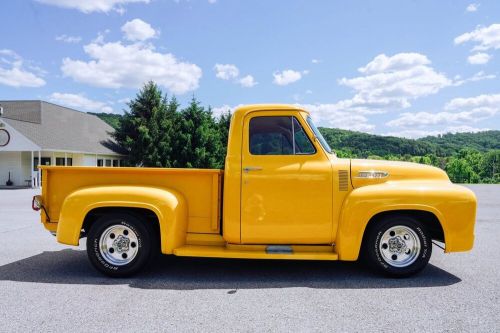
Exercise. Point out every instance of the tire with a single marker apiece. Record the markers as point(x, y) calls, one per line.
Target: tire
point(121, 244)
point(397, 246)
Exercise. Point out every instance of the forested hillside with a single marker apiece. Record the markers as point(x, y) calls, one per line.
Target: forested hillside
point(357, 144)
point(111, 118)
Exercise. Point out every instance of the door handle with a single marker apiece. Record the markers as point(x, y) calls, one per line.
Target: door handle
point(251, 168)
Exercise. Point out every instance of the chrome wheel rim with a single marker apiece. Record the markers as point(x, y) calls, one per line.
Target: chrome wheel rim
point(118, 245)
point(399, 246)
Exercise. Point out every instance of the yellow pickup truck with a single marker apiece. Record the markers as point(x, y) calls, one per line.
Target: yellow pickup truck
point(283, 194)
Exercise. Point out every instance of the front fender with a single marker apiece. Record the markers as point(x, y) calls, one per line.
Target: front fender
point(453, 205)
point(168, 205)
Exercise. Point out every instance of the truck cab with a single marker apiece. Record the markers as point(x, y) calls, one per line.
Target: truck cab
point(283, 194)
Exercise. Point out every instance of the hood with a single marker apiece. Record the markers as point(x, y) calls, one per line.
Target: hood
point(369, 172)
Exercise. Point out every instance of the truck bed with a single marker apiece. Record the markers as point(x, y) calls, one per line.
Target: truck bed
point(200, 187)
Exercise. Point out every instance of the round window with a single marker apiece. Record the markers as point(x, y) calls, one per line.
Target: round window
point(4, 137)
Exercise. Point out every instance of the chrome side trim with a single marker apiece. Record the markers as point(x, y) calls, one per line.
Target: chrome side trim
point(372, 174)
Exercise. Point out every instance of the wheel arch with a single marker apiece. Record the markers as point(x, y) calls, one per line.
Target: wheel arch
point(351, 235)
point(431, 223)
point(143, 213)
point(80, 208)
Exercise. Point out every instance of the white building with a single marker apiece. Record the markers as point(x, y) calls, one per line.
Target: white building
point(38, 132)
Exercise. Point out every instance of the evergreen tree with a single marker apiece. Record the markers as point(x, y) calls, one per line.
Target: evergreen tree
point(223, 123)
point(140, 130)
point(198, 141)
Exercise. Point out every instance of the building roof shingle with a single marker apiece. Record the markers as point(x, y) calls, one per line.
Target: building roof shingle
point(54, 127)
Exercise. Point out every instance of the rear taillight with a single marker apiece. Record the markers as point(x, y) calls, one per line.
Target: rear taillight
point(36, 204)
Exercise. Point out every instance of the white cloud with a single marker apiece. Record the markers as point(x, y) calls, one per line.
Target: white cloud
point(226, 71)
point(316, 61)
point(397, 62)
point(479, 58)
point(89, 6)
point(481, 101)
point(231, 72)
point(485, 38)
point(115, 65)
point(14, 72)
point(219, 110)
point(247, 81)
point(123, 100)
point(392, 82)
point(479, 76)
point(79, 102)
point(473, 7)
point(458, 112)
point(138, 30)
point(286, 77)
point(334, 115)
point(212, 1)
point(69, 39)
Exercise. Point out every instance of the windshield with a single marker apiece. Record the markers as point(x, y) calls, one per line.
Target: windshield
point(318, 135)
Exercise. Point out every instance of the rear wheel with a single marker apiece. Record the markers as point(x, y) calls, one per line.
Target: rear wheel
point(398, 246)
point(120, 245)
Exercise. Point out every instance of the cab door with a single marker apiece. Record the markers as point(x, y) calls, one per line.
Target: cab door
point(286, 182)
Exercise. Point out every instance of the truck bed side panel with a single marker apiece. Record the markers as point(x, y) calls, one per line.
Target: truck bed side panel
point(200, 187)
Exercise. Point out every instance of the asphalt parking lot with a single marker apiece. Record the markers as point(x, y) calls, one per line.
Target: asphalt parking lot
point(45, 286)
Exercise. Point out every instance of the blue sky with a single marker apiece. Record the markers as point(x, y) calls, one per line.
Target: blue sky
point(406, 68)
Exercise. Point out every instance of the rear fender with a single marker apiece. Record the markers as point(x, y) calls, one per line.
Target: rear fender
point(168, 205)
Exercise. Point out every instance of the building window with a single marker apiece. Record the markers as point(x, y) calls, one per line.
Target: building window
point(108, 163)
point(100, 163)
point(45, 161)
point(60, 161)
point(115, 163)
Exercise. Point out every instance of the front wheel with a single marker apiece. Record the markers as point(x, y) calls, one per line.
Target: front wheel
point(398, 246)
point(120, 245)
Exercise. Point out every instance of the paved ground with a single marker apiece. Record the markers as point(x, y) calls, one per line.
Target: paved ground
point(48, 287)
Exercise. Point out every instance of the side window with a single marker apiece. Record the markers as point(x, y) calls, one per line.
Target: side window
point(303, 146)
point(277, 135)
point(271, 136)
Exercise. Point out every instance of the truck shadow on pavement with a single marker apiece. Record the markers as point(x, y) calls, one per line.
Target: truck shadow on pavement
point(177, 273)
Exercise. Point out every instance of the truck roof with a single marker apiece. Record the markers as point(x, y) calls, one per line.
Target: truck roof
point(244, 109)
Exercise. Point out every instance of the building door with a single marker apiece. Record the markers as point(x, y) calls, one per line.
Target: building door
point(286, 182)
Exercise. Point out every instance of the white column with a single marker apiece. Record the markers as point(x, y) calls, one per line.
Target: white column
point(95, 159)
point(38, 173)
point(65, 159)
point(31, 171)
point(53, 159)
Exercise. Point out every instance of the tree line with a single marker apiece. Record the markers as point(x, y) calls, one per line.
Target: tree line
point(156, 132)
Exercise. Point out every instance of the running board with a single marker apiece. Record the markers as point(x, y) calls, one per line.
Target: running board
point(258, 252)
